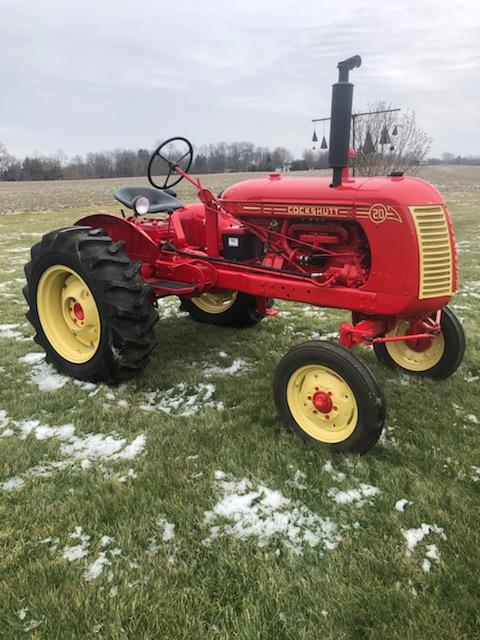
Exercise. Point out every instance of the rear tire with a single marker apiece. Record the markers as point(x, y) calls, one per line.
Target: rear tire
point(438, 362)
point(223, 308)
point(92, 312)
point(328, 396)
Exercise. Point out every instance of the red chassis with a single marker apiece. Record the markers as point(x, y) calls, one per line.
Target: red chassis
point(382, 248)
point(371, 238)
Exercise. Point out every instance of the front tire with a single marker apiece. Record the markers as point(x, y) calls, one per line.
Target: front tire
point(223, 308)
point(438, 360)
point(91, 310)
point(328, 396)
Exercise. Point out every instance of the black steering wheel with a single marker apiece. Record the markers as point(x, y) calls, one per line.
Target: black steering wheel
point(166, 158)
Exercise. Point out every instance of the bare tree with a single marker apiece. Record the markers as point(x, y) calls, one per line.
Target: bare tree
point(406, 151)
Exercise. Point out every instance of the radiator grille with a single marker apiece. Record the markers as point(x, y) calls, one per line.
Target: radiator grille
point(434, 249)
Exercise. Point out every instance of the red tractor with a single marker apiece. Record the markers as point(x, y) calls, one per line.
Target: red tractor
point(381, 247)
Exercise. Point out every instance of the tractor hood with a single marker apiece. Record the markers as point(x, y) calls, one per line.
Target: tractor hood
point(277, 188)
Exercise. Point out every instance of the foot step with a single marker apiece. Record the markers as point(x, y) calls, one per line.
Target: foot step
point(166, 287)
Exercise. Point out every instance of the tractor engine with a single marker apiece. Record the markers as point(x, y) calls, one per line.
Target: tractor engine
point(334, 252)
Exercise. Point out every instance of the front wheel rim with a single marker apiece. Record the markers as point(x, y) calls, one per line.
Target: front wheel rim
point(412, 360)
point(68, 314)
point(322, 403)
point(215, 301)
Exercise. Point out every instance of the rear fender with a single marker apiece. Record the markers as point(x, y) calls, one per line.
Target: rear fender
point(138, 244)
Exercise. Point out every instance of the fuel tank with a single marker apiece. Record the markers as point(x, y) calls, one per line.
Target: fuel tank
point(405, 220)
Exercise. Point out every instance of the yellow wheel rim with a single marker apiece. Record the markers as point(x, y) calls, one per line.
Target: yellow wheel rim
point(322, 403)
point(68, 314)
point(215, 301)
point(407, 358)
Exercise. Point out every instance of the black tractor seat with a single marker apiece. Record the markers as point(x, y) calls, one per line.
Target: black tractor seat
point(160, 200)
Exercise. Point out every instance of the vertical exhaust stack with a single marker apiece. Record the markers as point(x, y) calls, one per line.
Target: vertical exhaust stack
point(341, 118)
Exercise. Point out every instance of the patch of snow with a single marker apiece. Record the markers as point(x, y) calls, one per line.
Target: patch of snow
point(313, 312)
point(8, 331)
point(317, 335)
point(337, 476)
point(153, 546)
point(22, 613)
point(73, 553)
point(80, 534)
point(354, 496)
point(387, 438)
point(471, 378)
point(98, 445)
point(426, 565)
point(182, 400)
point(12, 483)
point(246, 511)
point(132, 450)
point(401, 504)
point(43, 431)
point(130, 474)
point(168, 529)
point(168, 308)
point(414, 536)
point(31, 358)
point(105, 541)
point(76, 449)
point(85, 386)
point(297, 481)
point(33, 624)
point(238, 366)
point(96, 567)
point(432, 552)
point(47, 378)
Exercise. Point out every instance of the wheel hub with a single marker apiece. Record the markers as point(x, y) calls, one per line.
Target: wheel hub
point(322, 401)
point(78, 311)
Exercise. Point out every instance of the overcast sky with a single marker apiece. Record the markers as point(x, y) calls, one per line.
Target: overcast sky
point(98, 74)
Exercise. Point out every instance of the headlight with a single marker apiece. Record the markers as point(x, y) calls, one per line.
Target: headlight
point(141, 205)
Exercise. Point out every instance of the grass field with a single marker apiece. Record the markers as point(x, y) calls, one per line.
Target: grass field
point(175, 506)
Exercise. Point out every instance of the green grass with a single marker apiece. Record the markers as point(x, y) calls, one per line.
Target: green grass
point(366, 587)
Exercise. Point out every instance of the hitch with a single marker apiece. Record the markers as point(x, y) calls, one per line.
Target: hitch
point(373, 331)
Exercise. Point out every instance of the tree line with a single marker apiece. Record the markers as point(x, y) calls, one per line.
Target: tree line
point(119, 163)
point(406, 150)
point(451, 158)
